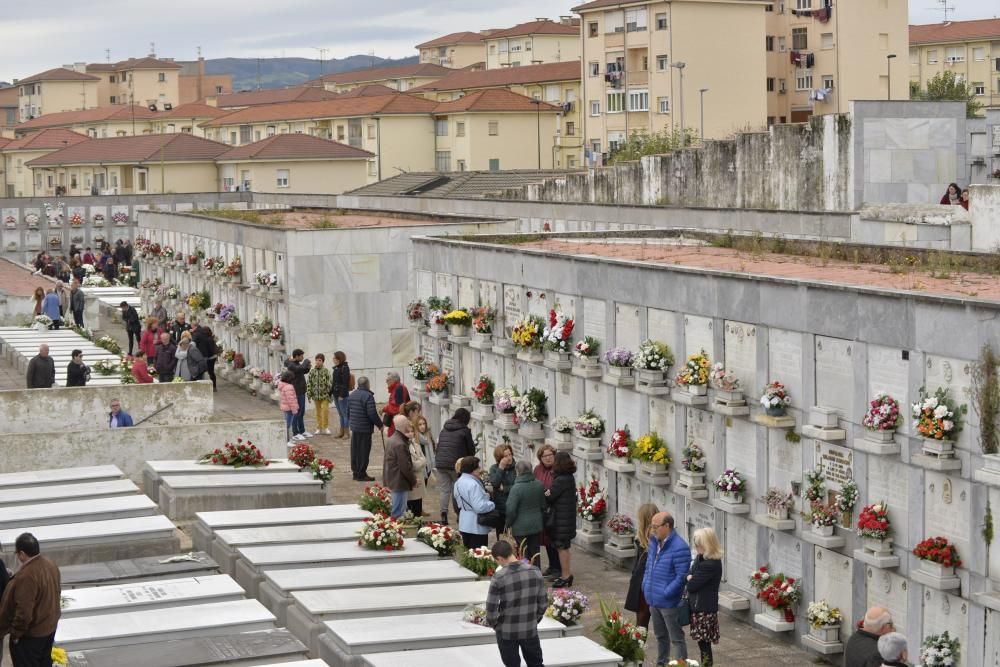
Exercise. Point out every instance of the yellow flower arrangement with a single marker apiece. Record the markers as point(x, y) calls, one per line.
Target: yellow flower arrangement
point(458, 317)
point(651, 448)
point(59, 656)
point(696, 370)
point(527, 333)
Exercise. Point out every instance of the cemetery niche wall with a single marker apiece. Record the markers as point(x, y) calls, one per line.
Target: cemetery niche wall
point(802, 486)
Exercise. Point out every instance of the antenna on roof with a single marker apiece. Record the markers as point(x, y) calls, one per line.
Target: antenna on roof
point(943, 8)
point(152, 49)
point(258, 73)
point(371, 56)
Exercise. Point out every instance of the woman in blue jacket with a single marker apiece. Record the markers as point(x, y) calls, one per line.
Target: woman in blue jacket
point(472, 500)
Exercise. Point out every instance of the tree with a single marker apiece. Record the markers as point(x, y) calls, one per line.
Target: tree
point(947, 86)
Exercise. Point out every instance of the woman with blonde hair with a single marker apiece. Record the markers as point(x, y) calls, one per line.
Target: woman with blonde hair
point(635, 600)
point(703, 592)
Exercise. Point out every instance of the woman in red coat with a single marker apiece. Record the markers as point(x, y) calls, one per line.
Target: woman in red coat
point(140, 370)
point(147, 341)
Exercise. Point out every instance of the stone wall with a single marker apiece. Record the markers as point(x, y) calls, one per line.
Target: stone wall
point(86, 408)
point(984, 212)
point(831, 345)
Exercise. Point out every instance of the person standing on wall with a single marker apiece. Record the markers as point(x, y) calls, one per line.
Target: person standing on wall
point(667, 567)
point(30, 609)
point(318, 391)
point(299, 366)
point(364, 420)
point(341, 387)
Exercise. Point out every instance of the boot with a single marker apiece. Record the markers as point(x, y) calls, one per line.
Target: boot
point(343, 432)
point(444, 518)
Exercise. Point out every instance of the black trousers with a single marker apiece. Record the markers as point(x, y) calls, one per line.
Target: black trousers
point(133, 339)
point(361, 450)
point(532, 548)
point(553, 555)
point(78, 317)
point(530, 648)
point(32, 651)
point(474, 540)
point(211, 371)
point(416, 506)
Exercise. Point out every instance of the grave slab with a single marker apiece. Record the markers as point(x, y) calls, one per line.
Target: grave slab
point(564, 652)
point(166, 593)
point(275, 590)
point(938, 463)
point(226, 541)
point(97, 509)
point(183, 496)
point(133, 570)
point(62, 492)
point(36, 478)
point(151, 625)
point(206, 523)
point(95, 541)
point(311, 609)
point(230, 650)
point(154, 471)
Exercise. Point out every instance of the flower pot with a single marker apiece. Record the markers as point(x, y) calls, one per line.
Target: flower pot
point(437, 330)
point(274, 289)
point(593, 527)
point(586, 362)
point(651, 377)
point(276, 346)
point(991, 462)
point(789, 615)
point(530, 355)
point(776, 614)
point(824, 531)
point(458, 330)
point(697, 389)
point(775, 411)
point(652, 468)
point(938, 446)
point(828, 634)
point(878, 547)
point(936, 569)
point(506, 419)
point(531, 430)
point(557, 357)
point(482, 338)
point(690, 479)
point(620, 372)
point(882, 436)
point(563, 437)
point(731, 498)
point(483, 410)
point(593, 444)
point(777, 513)
point(623, 541)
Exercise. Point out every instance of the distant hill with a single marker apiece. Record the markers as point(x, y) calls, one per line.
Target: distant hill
point(282, 72)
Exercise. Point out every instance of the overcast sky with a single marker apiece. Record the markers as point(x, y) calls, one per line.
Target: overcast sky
point(68, 31)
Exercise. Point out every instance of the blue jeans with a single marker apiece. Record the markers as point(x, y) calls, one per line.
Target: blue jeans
point(399, 503)
point(289, 419)
point(669, 635)
point(341, 404)
point(299, 423)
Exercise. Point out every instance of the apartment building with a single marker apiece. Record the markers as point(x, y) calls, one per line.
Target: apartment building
point(554, 83)
point(645, 64)
point(396, 77)
point(9, 116)
point(455, 51)
point(821, 56)
point(533, 43)
point(148, 81)
point(970, 49)
point(55, 90)
point(252, 98)
point(17, 177)
point(186, 118)
point(100, 122)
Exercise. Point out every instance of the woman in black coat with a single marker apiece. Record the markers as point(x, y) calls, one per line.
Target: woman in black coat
point(77, 372)
point(561, 498)
point(703, 592)
point(204, 340)
point(635, 600)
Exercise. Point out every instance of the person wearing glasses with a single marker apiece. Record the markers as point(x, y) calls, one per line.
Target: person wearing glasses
point(667, 565)
point(862, 648)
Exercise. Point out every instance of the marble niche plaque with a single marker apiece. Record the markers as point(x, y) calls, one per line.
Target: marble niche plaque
point(661, 325)
point(742, 451)
point(945, 612)
point(537, 303)
point(629, 495)
point(785, 554)
point(513, 312)
point(445, 286)
point(628, 412)
point(838, 465)
point(699, 515)
point(467, 293)
point(741, 354)
point(955, 375)
point(785, 363)
point(948, 509)
point(627, 331)
point(662, 419)
point(784, 461)
point(835, 374)
point(567, 304)
point(833, 576)
point(489, 294)
point(595, 320)
point(888, 372)
point(889, 590)
point(889, 481)
point(698, 336)
point(741, 552)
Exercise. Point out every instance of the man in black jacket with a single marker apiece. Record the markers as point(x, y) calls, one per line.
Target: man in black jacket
point(364, 420)
point(454, 443)
point(204, 339)
point(77, 302)
point(861, 649)
point(299, 365)
point(133, 327)
point(41, 370)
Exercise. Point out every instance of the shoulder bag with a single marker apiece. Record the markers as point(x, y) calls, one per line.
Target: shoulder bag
point(491, 519)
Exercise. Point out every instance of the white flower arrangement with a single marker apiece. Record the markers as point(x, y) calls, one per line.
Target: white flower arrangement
point(562, 425)
point(653, 356)
point(589, 424)
point(44, 320)
point(820, 614)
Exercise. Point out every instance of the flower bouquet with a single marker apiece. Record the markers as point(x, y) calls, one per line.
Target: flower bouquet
point(587, 349)
point(483, 322)
point(376, 499)
point(439, 537)
point(760, 579)
point(238, 455)
point(109, 344)
point(531, 409)
point(437, 385)
point(824, 621)
point(277, 338)
point(120, 218)
point(58, 656)
point(475, 614)
point(938, 420)
point(875, 528)
point(621, 531)
point(781, 594)
point(105, 367)
point(778, 503)
point(43, 322)
point(567, 606)
point(652, 454)
point(775, 399)
point(527, 338)
point(504, 403)
point(732, 486)
point(619, 360)
point(557, 340)
point(438, 308)
point(421, 369)
point(479, 560)
point(589, 426)
point(562, 430)
point(823, 518)
point(591, 505)
point(939, 651)
point(691, 474)
point(938, 557)
point(381, 533)
point(620, 636)
point(76, 220)
point(815, 485)
point(416, 313)
point(653, 361)
point(695, 374)
point(302, 455)
point(882, 418)
point(846, 499)
point(458, 323)
point(322, 469)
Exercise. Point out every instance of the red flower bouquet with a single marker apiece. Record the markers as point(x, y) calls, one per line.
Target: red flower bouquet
point(873, 522)
point(938, 550)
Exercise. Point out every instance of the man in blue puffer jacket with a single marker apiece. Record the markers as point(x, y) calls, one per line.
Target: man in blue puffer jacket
point(667, 567)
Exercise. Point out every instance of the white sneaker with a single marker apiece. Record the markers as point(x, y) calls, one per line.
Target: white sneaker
point(307, 434)
point(317, 432)
point(299, 437)
point(326, 431)
point(290, 444)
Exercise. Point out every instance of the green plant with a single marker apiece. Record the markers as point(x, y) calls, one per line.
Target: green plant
point(986, 398)
point(988, 525)
point(792, 436)
point(947, 86)
point(324, 223)
point(642, 143)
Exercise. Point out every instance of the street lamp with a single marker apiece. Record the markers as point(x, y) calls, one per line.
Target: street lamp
point(538, 129)
point(702, 94)
point(888, 75)
point(680, 64)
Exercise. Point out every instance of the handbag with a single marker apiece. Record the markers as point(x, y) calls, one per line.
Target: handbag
point(684, 611)
point(491, 519)
point(549, 518)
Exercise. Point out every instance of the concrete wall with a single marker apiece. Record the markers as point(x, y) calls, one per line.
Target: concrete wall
point(306, 176)
point(984, 212)
point(86, 408)
point(127, 448)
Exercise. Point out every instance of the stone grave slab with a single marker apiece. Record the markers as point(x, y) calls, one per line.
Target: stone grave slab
point(206, 523)
point(151, 625)
point(61, 492)
point(154, 471)
point(229, 650)
point(343, 642)
point(132, 570)
point(36, 478)
point(563, 652)
point(97, 509)
point(311, 609)
point(275, 591)
point(184, 495)
point(166, 593)
point(226, 541)
point(95, 541)
point(254, 560)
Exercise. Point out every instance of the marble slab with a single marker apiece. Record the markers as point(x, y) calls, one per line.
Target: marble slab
point(206, 523)
point(61, 492)
point(36, 478)
point(166, 593)
point(136, 569)
point(94, 541)
point(226, 541)
point(183, 496)
point(149, 625)
point(563, 652)
point(73, 511)
point(154, 471)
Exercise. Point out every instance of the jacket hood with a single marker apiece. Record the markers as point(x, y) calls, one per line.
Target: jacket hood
point(454, 425)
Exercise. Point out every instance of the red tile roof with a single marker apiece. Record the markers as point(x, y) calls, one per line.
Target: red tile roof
point(95, 115)
point(58, 74)
point(598, 4)
point(274, 96)
point(464, 37)
point(494, 99)
point(193, 110)
point(295, 146)
point(540, 27)
point(3, 142)
point(148, 62)
point(397, 103)
point(382, 73)
point(955, 31)
point(46, 140)
point(179, 147)
point(367, 90)
point(506, 76)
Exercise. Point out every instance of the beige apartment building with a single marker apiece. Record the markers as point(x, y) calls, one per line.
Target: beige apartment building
point(397, 77)
point(645, 64)
point(148, 81)
point(970, 49)
point(186, 118)
point(55, 90)
point(533, 43)
point(100, 122)
point(555, 83)
point(455, 51)
point(821, 56)
point(17, 176)
point(9, 116)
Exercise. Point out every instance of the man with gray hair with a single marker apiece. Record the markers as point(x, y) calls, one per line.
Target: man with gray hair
point(892, 648)
point(364, 419)
point(398, 397)
point(862, 649)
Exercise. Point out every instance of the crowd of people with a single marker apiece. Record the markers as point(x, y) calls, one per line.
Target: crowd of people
point(106, 261)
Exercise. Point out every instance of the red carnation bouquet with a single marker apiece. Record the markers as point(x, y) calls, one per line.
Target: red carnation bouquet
point(239, 455)
point(873, 522)
point(558, 335)
point(591, 505)
point(302, 455)
point(381, 533)
point(781, 592)
point(938, 550)
point(621, 444)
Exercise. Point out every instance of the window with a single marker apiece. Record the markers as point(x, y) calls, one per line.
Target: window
point(781, 45)
point(803, 80)
point(340, 133)
point(616, 102)
point(270, 130)
point(442, 160)
point(503, 46)
point(770, 121)
point(770, 84)
point(516, 63)
point(494, 128)
point(662, 63)
point(826, 40)
point(803, 4)
point(459, 129)
point(614, 22)
point(461, 165)
point(914, 57)
point(828, 81)
point(595, 145)
point(570, 129)
point(218, 90)
point(595, 69)
point(114, 100)
point(769, 43)
point(371, 131)
point(245, 134)
point(595, 108)
point(663, 104)
point(494, 164)
point(883, 41)
point(979, 54)
point(493, 49)
point(515, 47)
point(800, 38)
point(232, 138)
point(441, 127)
point(592, 29)
point(111, 78)
point(932, 57)
point(644, 66)
point(635, 19)
point(161, 77)
point(638, 100)
point(954, 54)
point(661, 21)
point(979, 88)
point(615, 139)
point(372, 168)
point(569, 95)
point(552, 94)
point(769, 8)
point(781, 88)
point(571, 161)
point(282, 178)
